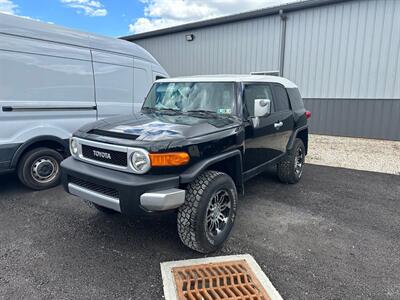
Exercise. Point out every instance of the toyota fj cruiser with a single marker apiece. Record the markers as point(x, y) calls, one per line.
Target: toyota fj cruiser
point(190, 150)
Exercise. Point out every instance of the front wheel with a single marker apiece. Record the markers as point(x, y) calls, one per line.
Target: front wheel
point(39, 168)
point(208, 215)
point(290, 169)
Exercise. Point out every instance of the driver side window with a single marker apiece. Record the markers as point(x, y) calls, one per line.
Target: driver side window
point(255, 91)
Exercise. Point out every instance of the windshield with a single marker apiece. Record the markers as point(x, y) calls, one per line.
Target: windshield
point(192, 97)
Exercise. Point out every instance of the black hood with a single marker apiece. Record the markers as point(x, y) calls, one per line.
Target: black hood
point(157, 127)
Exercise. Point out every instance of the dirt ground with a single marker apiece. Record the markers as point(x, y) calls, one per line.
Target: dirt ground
point(355, 153)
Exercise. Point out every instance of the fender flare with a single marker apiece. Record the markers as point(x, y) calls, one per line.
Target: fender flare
point(192, 172)
point(293, 137)
point(30, 142)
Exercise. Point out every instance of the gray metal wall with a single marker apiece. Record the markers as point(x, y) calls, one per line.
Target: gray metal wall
point(345, 58)
point(227, 48)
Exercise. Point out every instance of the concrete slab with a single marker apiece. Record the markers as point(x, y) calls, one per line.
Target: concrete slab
point(169, 282)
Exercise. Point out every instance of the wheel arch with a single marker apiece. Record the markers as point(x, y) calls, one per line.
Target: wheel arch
point(48, 141)
point(301, 133)
point(229, 163)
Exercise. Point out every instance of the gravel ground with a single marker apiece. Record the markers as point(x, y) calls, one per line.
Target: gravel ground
point(335, 235)
point(355, 153)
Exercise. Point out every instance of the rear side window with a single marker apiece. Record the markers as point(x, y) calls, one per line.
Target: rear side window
point(255, 91)
point(281, 99)
point(295, 99)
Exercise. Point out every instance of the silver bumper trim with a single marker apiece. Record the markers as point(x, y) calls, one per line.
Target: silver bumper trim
point(163, 200)
point(100, 199)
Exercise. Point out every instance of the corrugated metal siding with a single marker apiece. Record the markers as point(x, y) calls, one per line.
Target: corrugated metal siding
point(241, 47)
point(345, 57)
point(346, 50)
point(371, 118)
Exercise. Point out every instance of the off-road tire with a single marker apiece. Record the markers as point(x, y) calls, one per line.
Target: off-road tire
point(191, 218)
point(286, 168)
point(26, 163)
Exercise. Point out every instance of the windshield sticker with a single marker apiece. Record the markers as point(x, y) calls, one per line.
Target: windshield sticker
point(225, 111)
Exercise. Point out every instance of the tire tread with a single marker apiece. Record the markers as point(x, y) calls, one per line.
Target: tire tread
point(285, 168)
point(187, 221)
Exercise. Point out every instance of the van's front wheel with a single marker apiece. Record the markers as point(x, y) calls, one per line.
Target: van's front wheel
point(207, 217)
point(39, 168)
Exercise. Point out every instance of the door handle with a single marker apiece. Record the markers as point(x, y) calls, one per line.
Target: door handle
point(278, 125)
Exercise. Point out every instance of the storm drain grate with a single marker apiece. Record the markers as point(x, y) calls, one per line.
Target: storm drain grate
point(225, 280)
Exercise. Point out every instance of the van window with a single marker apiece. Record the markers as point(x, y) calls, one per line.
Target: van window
point(160, 77)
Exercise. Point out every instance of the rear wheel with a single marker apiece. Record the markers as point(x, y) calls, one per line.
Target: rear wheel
point(39, 168)
point(290, 169)
point(208, 215)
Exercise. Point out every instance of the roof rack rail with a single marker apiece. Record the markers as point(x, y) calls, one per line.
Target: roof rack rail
point(271, 73)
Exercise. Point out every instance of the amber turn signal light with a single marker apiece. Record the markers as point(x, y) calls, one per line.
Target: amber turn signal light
point(169, 159)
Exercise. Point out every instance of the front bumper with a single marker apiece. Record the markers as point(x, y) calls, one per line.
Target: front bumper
point(7, 152)
point(127, 193)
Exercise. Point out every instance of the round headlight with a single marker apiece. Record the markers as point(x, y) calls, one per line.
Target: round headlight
point(73, 146)
point(140, 161)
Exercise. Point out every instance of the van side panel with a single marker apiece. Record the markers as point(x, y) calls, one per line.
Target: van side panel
point(143, 81)
point(45, 89)
point(113, 75)
point(47, 83)
point(159, 72)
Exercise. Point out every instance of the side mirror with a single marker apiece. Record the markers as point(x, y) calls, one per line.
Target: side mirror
point(262, 107)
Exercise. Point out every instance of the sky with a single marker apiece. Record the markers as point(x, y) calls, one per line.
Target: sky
point(123, 17)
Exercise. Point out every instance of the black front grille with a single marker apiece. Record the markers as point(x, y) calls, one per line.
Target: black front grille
point(94, 187)
point(104, 155)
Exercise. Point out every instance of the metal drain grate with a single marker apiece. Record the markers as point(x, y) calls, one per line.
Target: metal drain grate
point(225, 280)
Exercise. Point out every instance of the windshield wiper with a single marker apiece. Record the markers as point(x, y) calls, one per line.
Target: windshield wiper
point(168, 109)
point(153, 109)
point(172, 110)
point(149, 109)
point(203, 113)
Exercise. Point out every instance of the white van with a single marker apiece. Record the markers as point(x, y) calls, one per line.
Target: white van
point(53, 80)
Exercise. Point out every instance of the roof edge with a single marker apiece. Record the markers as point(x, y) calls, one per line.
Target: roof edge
point(275, 10)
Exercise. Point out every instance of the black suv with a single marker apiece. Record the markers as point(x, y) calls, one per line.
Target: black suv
point(190, 150)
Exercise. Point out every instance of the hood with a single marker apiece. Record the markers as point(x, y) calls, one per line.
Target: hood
point(156, 127)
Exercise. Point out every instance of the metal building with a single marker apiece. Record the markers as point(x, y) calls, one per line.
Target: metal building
point(344, 56)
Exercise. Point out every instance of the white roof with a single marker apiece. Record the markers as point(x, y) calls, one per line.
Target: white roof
point(232, 78)
point(38, 30)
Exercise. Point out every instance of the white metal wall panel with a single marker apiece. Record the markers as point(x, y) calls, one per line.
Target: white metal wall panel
point(346, 50)
point(241, 47)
